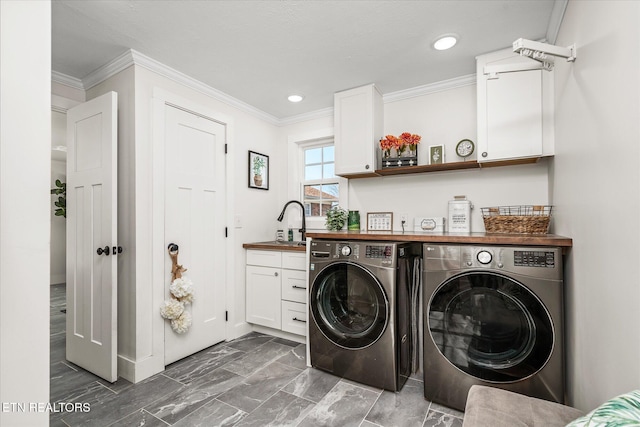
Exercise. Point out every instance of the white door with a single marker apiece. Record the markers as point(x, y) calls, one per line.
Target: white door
point(91, 236)
point(195, 221)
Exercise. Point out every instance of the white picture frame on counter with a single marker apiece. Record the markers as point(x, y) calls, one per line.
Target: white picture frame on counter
point(379, 221)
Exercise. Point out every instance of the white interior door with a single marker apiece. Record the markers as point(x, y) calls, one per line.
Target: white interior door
point(91, 236)
point(195, 221)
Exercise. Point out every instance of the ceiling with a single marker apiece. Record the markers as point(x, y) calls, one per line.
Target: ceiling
point(259, 52)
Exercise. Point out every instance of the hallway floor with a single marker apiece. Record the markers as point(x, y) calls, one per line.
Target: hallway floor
point(255, 380)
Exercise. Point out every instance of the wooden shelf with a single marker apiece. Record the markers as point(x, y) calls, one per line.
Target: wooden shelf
point(471, 164)
point(451, 166)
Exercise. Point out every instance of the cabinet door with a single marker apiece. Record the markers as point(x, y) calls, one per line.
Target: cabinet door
point(263, 296)
point(514, 116)
point(294, 285)
point(358, 128)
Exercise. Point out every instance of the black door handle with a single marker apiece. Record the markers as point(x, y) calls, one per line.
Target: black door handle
point(105, 251)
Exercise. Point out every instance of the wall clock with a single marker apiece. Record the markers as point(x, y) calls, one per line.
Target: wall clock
point(465, 148)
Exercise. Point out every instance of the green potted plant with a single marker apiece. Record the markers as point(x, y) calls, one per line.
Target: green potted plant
point(258, 165)
point(336, 218)
point(61, 203)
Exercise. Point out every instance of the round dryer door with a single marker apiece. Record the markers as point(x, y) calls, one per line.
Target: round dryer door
point(349, 305)
point(490, 326)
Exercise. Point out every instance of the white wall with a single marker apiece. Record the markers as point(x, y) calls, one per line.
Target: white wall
point(441, 118)
point(25, 165)
point(595, 182)
point(444, 118)
point(140, 326)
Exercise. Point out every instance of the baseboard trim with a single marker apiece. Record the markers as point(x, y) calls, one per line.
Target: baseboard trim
point(135, 372)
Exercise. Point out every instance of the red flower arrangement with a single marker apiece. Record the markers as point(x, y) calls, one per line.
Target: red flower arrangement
point(410, 139)
point(401, 143)
point(387, 143)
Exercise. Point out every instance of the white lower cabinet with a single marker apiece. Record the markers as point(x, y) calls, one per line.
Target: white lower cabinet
point(263, 296)
point(277, 290)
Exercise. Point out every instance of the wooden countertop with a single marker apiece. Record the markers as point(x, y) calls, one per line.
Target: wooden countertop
point(273, 246)
point(470, 238)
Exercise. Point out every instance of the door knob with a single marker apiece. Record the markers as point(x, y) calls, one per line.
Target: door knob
point(105, 251)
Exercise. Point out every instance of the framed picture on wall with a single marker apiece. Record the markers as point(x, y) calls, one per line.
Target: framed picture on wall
point(436, 154)
point(258, 171)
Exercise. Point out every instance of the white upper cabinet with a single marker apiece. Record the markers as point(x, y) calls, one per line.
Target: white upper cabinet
point(515, 108)
point(358, 129)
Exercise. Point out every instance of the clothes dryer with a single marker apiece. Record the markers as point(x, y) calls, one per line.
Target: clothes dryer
point(360, 306)
point(492, 316)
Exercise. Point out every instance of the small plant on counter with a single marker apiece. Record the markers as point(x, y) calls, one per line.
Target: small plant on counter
point(336, 218)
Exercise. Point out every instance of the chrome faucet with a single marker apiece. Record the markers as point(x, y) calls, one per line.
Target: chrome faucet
point(303, 230)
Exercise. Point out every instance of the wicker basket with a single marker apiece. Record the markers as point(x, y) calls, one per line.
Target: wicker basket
point(524, 219)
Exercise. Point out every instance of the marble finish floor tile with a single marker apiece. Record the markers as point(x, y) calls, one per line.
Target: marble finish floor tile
point(312, 384)
point(192, 368)
point(281, 410)
point(259, 387)
point(439, 419)
point(140, 418)
point(345, 405)
point(255, 380)
point(258, 358)
point(215, 413)
point(405, 409)
point(121, 405)
point(178, 404)
point(296, 357)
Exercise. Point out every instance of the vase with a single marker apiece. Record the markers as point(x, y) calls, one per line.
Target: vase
point(257, 179)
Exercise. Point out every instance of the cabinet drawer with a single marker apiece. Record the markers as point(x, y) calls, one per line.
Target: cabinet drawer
point(264, 258)
point(294, 260)
point(294, 317)
point(294, 285)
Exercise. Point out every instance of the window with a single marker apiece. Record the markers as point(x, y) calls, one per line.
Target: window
point(320, 187)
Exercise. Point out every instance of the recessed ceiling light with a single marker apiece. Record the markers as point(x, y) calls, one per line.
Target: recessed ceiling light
point(445, 42)
point(295, 98)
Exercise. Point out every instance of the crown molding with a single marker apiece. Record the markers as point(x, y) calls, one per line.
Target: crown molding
point(317, 114)
point(132, 57)
point(111, 68)
point(457, 82)
point(400, 95)
point(66, 80)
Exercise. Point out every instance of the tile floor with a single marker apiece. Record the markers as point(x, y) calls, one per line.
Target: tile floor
point(255, 380)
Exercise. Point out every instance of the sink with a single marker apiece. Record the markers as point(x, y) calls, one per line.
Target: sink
point(284, 243)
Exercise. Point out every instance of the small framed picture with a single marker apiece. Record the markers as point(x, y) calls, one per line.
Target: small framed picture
point(380, 221)
point(436, 154)
point(258, 171)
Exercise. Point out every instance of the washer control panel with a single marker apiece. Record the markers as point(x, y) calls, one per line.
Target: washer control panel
point(545, 259)
point(539, 262)
point(378, 251)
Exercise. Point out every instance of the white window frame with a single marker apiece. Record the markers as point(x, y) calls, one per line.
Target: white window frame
point(319, 182)
point(296, 145)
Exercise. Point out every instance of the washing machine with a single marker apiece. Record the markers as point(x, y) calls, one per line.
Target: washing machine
point(360, 304)
point(492, 316)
